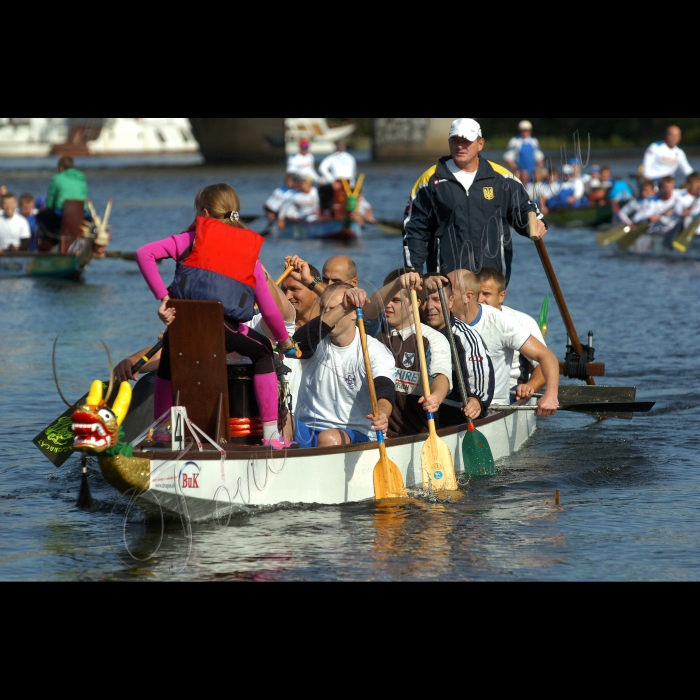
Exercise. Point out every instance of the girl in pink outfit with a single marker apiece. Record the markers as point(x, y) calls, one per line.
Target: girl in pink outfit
point(218, 260)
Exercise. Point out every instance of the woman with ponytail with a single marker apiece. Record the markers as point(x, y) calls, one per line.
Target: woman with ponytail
point(218, 260)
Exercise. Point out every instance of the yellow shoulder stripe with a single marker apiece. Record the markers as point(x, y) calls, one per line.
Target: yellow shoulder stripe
point(424, 180)
point(501, 170)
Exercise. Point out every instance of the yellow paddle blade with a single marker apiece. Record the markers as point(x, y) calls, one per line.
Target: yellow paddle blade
point(438, 466)
point(388, 482)
point(612, 235)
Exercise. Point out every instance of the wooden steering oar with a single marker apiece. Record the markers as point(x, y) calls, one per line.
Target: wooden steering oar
point(388, 482)
point(476, 451)
point(436, 459)
point(556, 289)
point(284, 276)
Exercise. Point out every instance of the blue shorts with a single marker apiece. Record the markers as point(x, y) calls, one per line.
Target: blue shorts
point(307, 438)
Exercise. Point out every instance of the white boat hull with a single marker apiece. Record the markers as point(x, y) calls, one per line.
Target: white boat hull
point(201, 487)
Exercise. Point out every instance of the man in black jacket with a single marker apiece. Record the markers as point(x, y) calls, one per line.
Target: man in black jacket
point(461, 210)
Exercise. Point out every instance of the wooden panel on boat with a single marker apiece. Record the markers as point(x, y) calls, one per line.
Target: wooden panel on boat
point(595, 369)
point(72, 224)
point(198, 364)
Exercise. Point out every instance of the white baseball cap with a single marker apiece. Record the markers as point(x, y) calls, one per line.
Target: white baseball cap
point(525, 125)
point(466, 128)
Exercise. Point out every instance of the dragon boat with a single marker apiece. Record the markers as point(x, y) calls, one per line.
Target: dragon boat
point(79, 243)
point(189, 462)
point(577, 217)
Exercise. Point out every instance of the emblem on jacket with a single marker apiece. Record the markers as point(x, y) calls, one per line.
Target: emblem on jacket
point(489, 193)
point(409, 359)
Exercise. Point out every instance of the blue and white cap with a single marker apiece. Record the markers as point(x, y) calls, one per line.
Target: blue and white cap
point(466, 129)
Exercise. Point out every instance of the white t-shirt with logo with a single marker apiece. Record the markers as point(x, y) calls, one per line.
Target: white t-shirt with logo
point(661, 161)
point(334, 392)
point(685, 202)
point(465, 179)
point(301, 206)
point(13, 231)
point(503, 337)
point(530, 325)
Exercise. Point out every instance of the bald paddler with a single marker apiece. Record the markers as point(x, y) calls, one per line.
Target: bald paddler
point(461, 210)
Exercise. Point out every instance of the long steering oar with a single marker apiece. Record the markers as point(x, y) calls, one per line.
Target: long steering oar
point(56, 440)
point(476, 451)
point(284, 276)
point(388, 482)
point(436, 459)
point(556, 289)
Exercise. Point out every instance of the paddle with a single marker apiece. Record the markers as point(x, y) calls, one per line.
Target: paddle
point(556, 289)
point(476, 451)
point(631, 237)
point(612, 235)
point(629, 407)
point(542, 321)
point(436, 458)
point(284, 276)
point(685, 237)
point(56, 440)
point(388, 482)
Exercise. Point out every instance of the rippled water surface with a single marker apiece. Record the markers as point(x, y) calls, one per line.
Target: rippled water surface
point(629, 489)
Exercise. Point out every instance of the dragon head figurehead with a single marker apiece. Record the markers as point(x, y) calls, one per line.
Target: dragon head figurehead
point(95, 426)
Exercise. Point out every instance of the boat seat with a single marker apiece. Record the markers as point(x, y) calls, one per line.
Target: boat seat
point(72, 223)
point(198, 365)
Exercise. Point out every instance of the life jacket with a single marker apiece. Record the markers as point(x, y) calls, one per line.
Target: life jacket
point(220, 267)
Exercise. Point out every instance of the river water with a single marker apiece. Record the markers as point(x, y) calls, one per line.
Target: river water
point(629, 490)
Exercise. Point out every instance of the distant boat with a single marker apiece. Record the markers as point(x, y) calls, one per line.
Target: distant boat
point(30, 137)
point(127, 136)
point(322, 137)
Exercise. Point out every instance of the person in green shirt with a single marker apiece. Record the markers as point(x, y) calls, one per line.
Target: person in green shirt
point(70, 183)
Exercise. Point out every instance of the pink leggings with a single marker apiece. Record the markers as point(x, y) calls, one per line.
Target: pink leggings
point(246, 342)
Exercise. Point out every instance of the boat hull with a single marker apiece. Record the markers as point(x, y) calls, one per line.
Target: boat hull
point(319, 231)
point(585, 216)
point(202, 487)
point(47, 265)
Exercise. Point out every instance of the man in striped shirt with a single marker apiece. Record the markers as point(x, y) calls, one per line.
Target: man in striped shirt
point(476, 365)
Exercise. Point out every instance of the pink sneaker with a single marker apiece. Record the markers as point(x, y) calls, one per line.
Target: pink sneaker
point(279, 443)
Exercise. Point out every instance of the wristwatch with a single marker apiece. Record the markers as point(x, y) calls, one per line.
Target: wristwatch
point(314, 283)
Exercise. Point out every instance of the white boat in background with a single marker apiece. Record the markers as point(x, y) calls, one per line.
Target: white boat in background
point(29, 137)
point(144, 136)
point(322, 137)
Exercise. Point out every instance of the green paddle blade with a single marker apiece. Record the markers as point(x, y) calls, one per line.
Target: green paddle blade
point(476, 452)
point(685, 238)
point(544, 313)
point(611, 235)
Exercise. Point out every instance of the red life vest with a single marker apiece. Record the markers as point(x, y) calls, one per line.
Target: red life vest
point(220, 267)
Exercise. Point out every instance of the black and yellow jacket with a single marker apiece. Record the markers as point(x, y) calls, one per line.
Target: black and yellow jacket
point(471, 231)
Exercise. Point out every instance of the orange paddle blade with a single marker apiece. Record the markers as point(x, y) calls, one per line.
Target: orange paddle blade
point(388, 482)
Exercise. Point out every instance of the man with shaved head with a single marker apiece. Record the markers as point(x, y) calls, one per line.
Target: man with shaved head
point(664, 158)
point(503, 337)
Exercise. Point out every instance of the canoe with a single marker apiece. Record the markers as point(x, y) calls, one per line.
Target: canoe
point(199, 483)
point(584, 216)
point(319, 230)
point(46, 265)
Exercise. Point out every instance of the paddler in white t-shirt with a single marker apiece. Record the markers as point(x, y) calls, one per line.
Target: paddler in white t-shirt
point(503, 337)
point(665, 157)
point(334, 406)
point(525, 376)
